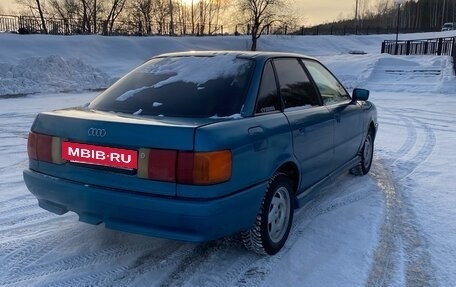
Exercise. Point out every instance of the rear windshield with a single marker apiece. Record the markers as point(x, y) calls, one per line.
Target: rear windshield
point(190, 86)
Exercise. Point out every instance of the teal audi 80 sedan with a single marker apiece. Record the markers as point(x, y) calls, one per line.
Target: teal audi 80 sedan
point(196, 146)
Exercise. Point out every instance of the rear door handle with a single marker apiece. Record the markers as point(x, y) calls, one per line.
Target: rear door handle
point(260, 141)
point(255, 131)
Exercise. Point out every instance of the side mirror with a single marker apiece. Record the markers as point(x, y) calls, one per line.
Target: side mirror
point(360, 95)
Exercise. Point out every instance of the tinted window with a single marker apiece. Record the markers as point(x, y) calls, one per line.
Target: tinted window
point(268, 100)
point(331, 90)
point(295, 87)
point(181, 87)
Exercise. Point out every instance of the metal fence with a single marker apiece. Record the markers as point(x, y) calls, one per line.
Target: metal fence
point(351, 30)
point(32, 25)
point(55, 26)
point(437, 46)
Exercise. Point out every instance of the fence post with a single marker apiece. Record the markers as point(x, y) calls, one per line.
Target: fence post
point(407, 48)
point(454, 54)
point(439, 47)
point(383, 47)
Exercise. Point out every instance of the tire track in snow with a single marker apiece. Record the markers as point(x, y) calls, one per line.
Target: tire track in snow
point(27, 226)
point(76, 262)
point(11, 213)
point(192, 263)
point(221, 264)
point(22, 163)
point(22, 253)
point(26, 219)
point(400, 233)
point(411, 138)
point(406, 167)
point(16, 201)
point(113, 277)
point(16, 213)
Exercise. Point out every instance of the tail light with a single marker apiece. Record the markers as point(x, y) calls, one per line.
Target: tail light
point(204, 168)
point(44, 148)
point(157, 164)
point(199, 168)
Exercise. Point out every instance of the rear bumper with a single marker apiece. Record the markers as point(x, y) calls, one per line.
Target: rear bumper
point(166, 217)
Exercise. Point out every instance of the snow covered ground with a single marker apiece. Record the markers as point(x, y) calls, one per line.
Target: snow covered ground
point(394, 227)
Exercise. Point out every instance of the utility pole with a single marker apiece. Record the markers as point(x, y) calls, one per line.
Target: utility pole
point(443, 12)
point(356, 17)
point(398, 3)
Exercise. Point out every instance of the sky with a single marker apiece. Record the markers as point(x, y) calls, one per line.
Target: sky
point(321, 11)
point(313, 12)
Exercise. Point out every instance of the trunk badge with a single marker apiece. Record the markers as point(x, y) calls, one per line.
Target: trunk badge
point(94, 132)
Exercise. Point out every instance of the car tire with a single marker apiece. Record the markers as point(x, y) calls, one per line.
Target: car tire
point(274, 219)
point(367, 154)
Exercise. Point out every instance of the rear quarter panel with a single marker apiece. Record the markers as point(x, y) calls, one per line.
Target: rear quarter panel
point(259, 145)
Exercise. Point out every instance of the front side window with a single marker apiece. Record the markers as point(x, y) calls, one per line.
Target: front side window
point(296, 89)
point(189, 86)
point(331, 90)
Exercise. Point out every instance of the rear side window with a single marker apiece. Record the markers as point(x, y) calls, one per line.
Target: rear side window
point(332, 92)
point(268, 99)
point(296, 89)
point(191, 86)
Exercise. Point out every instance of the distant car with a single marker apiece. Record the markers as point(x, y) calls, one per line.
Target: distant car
point(449, 26)
point(200, 145)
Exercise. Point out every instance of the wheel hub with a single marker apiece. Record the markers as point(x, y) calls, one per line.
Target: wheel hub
point(278, 216)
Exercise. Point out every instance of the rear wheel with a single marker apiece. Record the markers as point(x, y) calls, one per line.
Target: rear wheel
point(273, 222)
point(367, 155)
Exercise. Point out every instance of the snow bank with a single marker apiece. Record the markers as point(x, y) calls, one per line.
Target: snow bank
point(50, 74)
point(73, 63)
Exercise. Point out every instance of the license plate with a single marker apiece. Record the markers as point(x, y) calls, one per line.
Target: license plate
point(99, 155)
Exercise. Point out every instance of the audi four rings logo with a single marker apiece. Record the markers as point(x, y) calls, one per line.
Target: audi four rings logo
point(96, 132)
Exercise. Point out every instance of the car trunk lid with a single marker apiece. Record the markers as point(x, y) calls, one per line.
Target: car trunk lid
point(113, 131)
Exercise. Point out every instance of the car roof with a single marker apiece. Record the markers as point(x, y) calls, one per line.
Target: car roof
point(241, 54)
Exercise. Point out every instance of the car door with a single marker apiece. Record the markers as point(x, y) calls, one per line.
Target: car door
point(348, 128)
point(268, 131)
point(311, 123)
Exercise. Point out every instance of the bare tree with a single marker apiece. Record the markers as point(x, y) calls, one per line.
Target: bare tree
point(43, 22)
point(160, 12)
point(260, 14)
point(64, 9)
point(85, 17)
point(35, 6)
point(115, 7)
point(140, 14)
